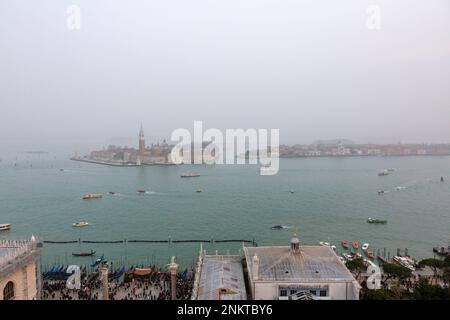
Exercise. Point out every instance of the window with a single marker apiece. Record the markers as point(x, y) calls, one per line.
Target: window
point(283, 293)
point(8, 291)
point(323, 293)
point(313, 292)
point(292, 292)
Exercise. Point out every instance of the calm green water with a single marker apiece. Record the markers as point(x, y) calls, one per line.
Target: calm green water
point(332, 200)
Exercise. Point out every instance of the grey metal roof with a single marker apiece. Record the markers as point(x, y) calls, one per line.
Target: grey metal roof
point(222, 272)
point(311, 264)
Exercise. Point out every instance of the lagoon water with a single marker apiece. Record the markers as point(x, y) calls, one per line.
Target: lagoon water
point(332, 200)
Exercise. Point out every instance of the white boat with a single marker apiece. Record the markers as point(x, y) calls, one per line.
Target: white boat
point(405, 262)
point(5, 226)
point(326, 244)
point(365, 246)
point(347, 256)
point(383, 173)
point(80, 224)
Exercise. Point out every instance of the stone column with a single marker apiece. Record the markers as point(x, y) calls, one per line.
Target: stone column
point(104, 277)
point(173, 268)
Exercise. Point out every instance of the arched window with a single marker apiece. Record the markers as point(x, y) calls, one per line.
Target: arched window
point(8, 291)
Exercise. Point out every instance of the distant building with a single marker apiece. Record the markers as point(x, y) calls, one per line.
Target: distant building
point(20, 274)
point(282, 272)
point(141, 141)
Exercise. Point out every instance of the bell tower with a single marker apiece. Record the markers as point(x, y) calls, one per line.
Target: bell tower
point(141, 141)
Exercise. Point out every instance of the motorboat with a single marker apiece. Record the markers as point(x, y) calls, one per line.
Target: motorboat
point(344, 244)
point(5, 226)
point(111, 193)
point(348, 256)
point(365, 246)
point(199, 190)
point(91, 196)
point(380, 192)
point(141, 191)
point(190, 175)
point(277, 227)
point(405, 262)
point(442, 251)
point(355, 244)
point(370, 220)
point(80, 224)
point(383, 173)
point(325, 244)
point(291, 191)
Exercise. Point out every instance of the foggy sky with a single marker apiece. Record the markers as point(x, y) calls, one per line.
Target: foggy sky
point(310, 68)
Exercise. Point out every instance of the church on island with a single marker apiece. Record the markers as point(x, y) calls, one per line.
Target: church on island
point(155, 154)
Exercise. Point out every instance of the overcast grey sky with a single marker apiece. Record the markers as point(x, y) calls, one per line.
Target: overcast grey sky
point(310, 68)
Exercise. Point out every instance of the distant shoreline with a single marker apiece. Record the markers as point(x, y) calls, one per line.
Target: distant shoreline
point(117, 164)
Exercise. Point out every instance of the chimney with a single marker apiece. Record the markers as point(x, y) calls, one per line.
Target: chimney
point(255, 267)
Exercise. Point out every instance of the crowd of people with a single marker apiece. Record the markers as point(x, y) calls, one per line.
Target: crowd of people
point(148, 288)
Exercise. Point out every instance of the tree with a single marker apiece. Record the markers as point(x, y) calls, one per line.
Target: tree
point(356, 266)
point(427, 291)
point(393, 270)
point(434, 264)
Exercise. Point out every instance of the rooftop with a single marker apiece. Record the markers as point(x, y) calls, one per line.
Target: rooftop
point(221, 274)
point(12, 251)
point(311, 264)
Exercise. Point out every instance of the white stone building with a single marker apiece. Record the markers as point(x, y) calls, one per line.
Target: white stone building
point(20, 274)
point(282, 272)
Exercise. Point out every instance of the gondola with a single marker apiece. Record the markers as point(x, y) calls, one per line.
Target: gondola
point(83, 254)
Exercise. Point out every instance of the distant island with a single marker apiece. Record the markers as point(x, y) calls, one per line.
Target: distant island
point(158, 154)
point(347, 148)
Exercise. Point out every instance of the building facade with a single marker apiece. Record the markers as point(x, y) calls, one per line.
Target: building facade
point(20, 274)
point(282, 272)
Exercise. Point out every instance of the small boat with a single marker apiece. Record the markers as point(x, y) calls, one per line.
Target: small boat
point(277, 227)
point(111, 193)
point(355, 244)
point(344, 244)
point(348, 257)
point(199, 190)
point(325, 244)
point(380, 192)
point(61, 169)
point(365, 246)
point(80, 224)
point(370, 220)
point(83, 254)
point(141, 191)
point(442, 251)
point(383, 173)
point(5, 226)
point(291, 191)
point(442, 179)
point(91, 196)
point(98, 261)
point(405, 262)
point(190, 175)
point(369, 254)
